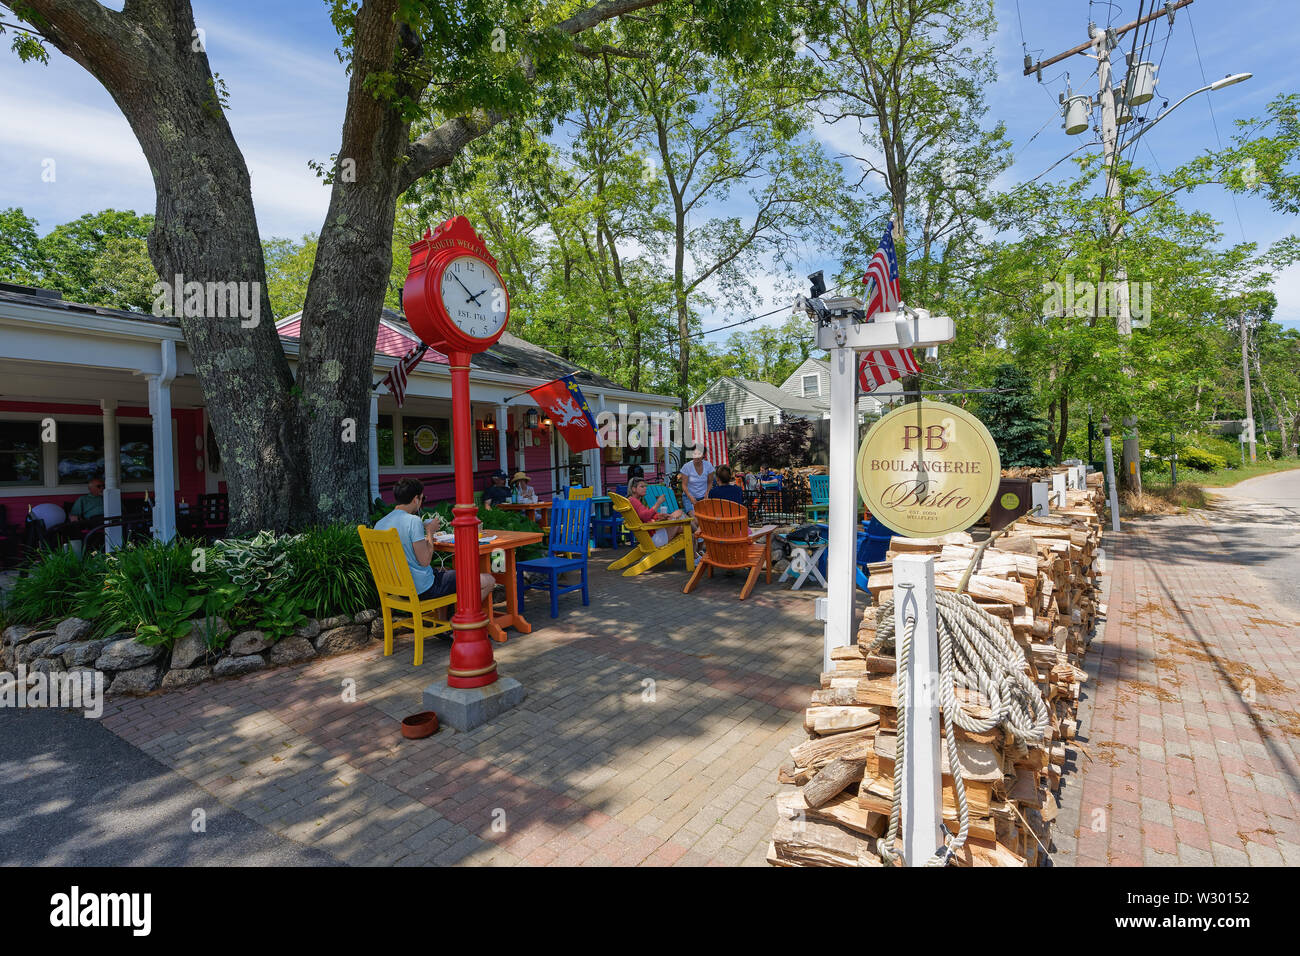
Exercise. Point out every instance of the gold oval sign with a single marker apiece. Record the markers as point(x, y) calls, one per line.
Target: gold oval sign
point(928, 469)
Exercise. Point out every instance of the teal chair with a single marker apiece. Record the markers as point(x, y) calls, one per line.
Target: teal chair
point(819, 494)
point(652, 493)
point(567, 551)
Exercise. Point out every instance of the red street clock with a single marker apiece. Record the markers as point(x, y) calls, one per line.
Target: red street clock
point(456, 303)
point(454, 297)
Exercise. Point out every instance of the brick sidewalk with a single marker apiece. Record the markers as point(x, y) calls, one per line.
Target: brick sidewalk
point(1191, 735)
point(652, 731)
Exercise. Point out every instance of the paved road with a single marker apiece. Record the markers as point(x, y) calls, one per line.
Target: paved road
point(1259, 525)
point(74, 794)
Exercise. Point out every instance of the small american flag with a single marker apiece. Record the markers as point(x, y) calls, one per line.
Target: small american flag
point(883, 294)
point(396, 377)
point(709, 430)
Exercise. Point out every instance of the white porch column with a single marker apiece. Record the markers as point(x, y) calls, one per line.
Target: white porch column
point(164, 479)
point(374, 446)
point(112, 473)
point(842, 504)
point(503, 440)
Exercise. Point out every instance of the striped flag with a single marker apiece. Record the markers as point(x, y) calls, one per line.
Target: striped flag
point(396, 377)
point(708, 425)
point(877, 368)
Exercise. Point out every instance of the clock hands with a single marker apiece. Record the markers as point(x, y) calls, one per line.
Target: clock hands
point(472, 297)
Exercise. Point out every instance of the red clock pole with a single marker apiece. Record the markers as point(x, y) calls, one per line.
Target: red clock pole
point(472, 663)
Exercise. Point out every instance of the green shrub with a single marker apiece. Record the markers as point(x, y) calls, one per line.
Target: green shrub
point(1201, 460)
point(48, 588)
point(149, 589)
point(330, 573)
point(259, 563)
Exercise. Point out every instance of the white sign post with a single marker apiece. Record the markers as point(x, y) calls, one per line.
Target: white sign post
point(844, 338)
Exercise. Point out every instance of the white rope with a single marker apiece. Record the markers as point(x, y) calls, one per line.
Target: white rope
point(978, 652)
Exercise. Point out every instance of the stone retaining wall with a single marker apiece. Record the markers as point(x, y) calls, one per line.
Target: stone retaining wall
point(130, 667)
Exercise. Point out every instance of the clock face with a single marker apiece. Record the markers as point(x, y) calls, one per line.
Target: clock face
point(474, 297)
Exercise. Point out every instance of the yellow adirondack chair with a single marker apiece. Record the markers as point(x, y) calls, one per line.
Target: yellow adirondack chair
point(397, 591)
point(646, 554)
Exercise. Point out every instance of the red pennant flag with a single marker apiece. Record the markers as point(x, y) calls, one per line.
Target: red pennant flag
point(568, 411)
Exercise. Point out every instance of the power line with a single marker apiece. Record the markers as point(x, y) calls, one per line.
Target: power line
point(1209, 100)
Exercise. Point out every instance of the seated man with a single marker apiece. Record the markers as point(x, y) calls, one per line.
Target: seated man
point(88, 510)
point(724, 488)
point(498, 492)
point(417, 542)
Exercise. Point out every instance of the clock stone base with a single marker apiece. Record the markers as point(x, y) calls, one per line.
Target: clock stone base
point(467, 708)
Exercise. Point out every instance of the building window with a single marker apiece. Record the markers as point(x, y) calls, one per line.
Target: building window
point(81, 451)
point(384, 433)
point(426, 441)
point(20, 453)
point(811, 385)
point(747, 421)
point(136, 454)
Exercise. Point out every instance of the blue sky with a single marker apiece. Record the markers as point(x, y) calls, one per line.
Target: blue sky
point(287, 93)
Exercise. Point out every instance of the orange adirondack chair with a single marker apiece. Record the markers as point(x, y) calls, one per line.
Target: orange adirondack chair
point(729, 544)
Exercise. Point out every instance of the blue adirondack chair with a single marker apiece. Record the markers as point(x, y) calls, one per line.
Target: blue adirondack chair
point(819, 495)
point(567, 551)
point(652, 493)
point(873, 543)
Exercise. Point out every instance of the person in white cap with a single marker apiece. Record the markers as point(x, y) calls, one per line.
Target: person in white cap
point(697, 479)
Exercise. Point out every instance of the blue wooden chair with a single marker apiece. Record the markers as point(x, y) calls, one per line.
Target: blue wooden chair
point(819, 496)
point(653, 492)
point(567, 551)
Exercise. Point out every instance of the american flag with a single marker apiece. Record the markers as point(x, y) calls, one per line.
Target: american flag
point(396, 377)
point(877, 368)
point(709, 430)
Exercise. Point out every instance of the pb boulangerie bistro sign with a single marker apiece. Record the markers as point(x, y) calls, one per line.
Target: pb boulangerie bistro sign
point(928, 469)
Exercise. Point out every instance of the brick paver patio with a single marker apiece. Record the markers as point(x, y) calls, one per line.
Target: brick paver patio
point(652, 731)
point(1191, 735)
point(655, 722)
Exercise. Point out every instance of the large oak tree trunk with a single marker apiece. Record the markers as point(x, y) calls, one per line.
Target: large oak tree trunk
point(205, 229)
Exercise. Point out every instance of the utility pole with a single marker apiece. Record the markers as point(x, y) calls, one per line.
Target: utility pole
point(1101, 42)
point(1245, 372)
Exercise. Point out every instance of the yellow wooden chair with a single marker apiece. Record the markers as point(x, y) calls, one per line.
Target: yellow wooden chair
point(397, 591)
point(647, 554)
point(578, 494)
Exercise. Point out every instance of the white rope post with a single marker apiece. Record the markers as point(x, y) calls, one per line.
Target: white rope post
point(922, 798)
point(1110, 478)
point(842, 503)
point(1038, 495)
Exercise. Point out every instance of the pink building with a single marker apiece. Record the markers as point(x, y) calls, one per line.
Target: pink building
point(85, 390)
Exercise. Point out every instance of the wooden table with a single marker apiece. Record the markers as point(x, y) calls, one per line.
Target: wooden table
point(506, 541)
point(542, 509)
point(764, 532)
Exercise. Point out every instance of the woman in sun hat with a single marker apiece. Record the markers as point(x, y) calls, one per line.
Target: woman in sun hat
point(527, 494)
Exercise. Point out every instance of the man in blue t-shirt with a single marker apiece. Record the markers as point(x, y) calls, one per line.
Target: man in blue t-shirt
point(417, 542)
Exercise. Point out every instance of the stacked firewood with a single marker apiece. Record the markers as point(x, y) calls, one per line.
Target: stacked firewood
point(1039, 576)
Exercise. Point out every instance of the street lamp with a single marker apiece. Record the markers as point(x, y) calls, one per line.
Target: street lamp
point(1230, 80)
